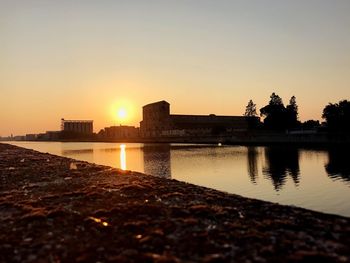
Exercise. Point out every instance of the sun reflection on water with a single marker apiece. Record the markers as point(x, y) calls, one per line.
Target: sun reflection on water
point(122, 157)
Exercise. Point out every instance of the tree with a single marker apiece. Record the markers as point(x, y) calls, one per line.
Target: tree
point(292, 113)
point(337, 116)
point(274, 113)
point(311, 124)
point(250, 109)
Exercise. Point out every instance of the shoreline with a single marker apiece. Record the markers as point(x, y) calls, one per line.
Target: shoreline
point(243, 139)
point(59, 209)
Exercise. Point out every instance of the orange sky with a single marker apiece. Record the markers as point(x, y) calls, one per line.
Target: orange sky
point(82, 59)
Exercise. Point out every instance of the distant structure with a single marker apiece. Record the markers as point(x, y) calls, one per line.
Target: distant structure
point(158, 122)
point(77, 126)
point(31, 137)
point(49, 136)
point(119, 132)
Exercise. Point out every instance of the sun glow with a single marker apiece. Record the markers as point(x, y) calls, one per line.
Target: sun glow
point(122, 112)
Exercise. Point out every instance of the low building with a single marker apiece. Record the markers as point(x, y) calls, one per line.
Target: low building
point(77, 126)
point(31, 137)
point(49, 136)
point(119, 132)
point(53, 135)
point(18, 138)
point(158, 122)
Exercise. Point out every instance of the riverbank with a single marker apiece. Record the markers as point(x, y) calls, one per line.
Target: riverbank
point(58, 209)
point(251, 138)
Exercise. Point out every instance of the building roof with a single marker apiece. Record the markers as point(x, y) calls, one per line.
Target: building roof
point(158, 102)
point(209, 120)
point(76, 121)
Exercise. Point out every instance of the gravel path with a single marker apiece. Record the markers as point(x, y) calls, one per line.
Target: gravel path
point(55, 209)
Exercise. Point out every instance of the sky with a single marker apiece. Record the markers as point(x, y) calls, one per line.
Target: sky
point(86, 59)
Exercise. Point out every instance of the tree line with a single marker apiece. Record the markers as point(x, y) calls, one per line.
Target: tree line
point(277, 116)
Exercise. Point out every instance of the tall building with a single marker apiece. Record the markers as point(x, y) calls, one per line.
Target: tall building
point(156, 119)
point(77, 126)
point(158, 122)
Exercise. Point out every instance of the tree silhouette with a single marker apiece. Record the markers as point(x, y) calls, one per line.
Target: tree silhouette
point(250, 109)
point(274, 113)
point(337, 116)
point(279, 117)
point(311, 124)
point(292, 113)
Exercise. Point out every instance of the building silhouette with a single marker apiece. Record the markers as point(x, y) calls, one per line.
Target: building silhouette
point(158, 122)
point(119, 132)
point(77, 126)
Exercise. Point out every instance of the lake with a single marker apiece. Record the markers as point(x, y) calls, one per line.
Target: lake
point(317, 179)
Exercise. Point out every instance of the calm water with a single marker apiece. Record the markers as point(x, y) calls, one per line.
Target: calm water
point(313, 179)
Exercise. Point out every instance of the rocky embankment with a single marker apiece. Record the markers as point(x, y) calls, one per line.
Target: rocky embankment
point(55, 209)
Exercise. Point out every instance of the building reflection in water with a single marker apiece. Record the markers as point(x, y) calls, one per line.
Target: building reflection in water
point(76, 152)
point(338, 166)
point(156, 159)
point(72, 151)
point(122, 157)
point(252, 164)
point(281, 162)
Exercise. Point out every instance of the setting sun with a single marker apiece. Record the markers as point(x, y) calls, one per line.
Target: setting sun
point(122, 114)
